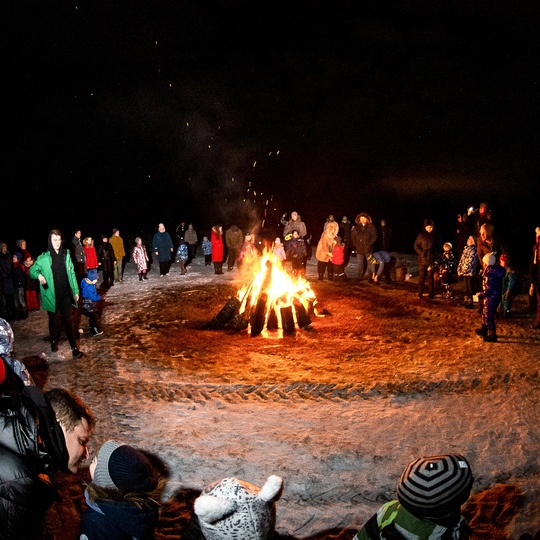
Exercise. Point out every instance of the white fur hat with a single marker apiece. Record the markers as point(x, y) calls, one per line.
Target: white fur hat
point(490, 259)
point(232, 509)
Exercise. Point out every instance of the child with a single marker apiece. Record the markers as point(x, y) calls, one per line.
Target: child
point(140, 258)
point(492, 291)
point(509, 285)
point(248, 253)
point(468, 268)
point(122, 497)
point(279, 250)
point(430, 493)
point(296, 252)
point(338, 258)
point(182, 255)
point(324, 250)
point(207, 251)
point(447, 269)
point(90, 297)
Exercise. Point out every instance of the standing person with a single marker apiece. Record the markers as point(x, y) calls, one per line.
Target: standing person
point(462, 233)
point(324, 250)
point(182, 255)
point(430, 493)
point(41, 434)
point(296, 252)
point(192, 240)
point(338, 258)
point(446, 265)
point(19, 286)
point(293, 224)
point(468, 268)
point(363, 236)
point(7, 298)
point(426, 246)
point(207, 251)
point(90, 298)
point(509, 285)
point(117, 244)
point(385, 236)
point(123, 496)
point(180, 230)
point(248, 254)
point(535, 277)
point(107, 261)
point(78, 255)
point(163, 248)
point(279, 251)
point(90, 252)
point(345, 233)
point(329, 219)
point(234, 240)
point(140, 258)
point(491, 293)
point(217, 248)
point(59, 290)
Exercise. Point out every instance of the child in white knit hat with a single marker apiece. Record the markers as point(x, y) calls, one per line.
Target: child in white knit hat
point(123, 495)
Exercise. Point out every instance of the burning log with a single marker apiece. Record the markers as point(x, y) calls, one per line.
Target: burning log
point(287, 319)
point(302, 318)
point(258, 315)
point(228, 312)
point(273, 301)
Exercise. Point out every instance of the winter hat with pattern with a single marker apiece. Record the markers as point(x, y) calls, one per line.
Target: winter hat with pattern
point(435, 486)
point(120, 466)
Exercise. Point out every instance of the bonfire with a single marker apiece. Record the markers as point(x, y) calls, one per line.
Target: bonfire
point(273, 302)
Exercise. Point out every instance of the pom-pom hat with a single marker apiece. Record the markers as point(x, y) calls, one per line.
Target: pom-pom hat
point(120, 466)
point(435, 486)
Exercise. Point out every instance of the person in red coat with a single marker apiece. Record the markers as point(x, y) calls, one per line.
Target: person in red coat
point(217, 248)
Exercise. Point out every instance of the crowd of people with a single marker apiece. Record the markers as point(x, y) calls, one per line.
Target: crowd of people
point(65, 277)
point(42, 433)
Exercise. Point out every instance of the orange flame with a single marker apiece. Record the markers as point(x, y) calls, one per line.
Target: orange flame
point(272, 293)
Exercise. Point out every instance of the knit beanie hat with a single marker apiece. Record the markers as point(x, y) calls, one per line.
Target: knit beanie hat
point(92, 274)
point(120, 466)
point(435, 486)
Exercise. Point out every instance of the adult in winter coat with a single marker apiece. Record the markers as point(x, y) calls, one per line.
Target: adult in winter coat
point(293, 224)
point(427, 246)
point(117, 243)
point(59, 290)
point(363, 236)
point(324, 250)
point(163, 249)
point(107, 261)
point(217, 248)
point(234, 239)
point(41, 434)
point(78, 255)
point(192, 240)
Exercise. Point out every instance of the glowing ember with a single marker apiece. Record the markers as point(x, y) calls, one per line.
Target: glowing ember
point(275, 301)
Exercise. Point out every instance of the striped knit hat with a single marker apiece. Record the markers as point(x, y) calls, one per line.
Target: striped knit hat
point(435, 486)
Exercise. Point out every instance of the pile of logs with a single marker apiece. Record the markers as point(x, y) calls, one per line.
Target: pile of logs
point(258, 315)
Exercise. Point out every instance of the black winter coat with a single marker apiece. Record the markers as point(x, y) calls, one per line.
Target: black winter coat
point(32, 447)
point(426, 245)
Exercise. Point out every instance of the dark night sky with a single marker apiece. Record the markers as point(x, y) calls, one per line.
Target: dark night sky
point(124, 114)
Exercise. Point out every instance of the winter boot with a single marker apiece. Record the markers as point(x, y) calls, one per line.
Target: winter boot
point(140, 276)
point(216, 268)
point(95, 331)
point(54, 346)
point(76, 353)
point(144, 276)
point(482, 332)
point(491, 337)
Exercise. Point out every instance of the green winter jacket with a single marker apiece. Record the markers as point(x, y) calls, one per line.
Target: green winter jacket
point(392, 521)
point(43, 266)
